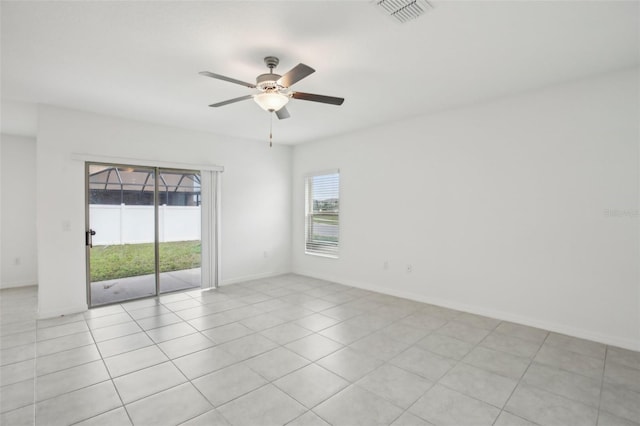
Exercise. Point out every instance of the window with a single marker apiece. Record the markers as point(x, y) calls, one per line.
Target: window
point(322, 213)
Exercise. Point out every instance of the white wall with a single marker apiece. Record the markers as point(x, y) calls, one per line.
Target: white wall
point(256, 196)
point(503, 209)
point(18, 226)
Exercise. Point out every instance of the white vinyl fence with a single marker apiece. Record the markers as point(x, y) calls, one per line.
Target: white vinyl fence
point(134, 224)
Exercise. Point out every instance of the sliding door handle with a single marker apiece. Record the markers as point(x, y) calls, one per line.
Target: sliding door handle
point(88, 238)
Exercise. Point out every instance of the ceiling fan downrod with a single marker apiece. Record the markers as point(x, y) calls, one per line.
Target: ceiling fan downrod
point(271, 62)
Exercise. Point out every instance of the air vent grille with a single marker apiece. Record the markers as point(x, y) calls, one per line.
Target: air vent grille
point(403, 10)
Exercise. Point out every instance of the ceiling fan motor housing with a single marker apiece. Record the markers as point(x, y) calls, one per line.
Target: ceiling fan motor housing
point(271, 62)
point(267, 82)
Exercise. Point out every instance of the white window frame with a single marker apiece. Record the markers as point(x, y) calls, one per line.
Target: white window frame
point(322, 248)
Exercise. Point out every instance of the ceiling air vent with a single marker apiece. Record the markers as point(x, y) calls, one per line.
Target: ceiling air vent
point(403, 10)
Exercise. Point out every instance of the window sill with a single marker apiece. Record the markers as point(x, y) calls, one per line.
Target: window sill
point(329, 256)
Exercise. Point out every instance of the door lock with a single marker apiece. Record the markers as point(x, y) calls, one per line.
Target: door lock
point(89, 237)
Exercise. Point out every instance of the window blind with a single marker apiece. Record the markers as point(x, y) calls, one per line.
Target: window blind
point(322, 213)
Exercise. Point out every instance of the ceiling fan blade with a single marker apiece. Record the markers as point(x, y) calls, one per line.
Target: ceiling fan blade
point(229, 79)
point(294, 75)
point(317, 98)
point(282, 113)
point(230, 101)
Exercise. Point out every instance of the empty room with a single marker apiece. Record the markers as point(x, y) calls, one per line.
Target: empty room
point(367, 212)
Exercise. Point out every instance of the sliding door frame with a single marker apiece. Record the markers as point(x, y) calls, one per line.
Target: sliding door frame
point(210, 224)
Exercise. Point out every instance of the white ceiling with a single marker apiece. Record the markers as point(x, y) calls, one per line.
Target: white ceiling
point(141, 59)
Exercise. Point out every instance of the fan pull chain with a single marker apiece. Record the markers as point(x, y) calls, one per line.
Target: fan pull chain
point(271, 131)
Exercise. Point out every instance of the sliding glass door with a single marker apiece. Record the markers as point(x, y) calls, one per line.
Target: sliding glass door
point(143, 231)
point(179, 234)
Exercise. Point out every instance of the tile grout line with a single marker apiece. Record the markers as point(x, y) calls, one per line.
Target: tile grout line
point(268, 382)
point(181, 372)
point(520, 380)
point(604, 368)
point(31, 321)
point(36, 376)
point(188, 380)
point(457, 362)
point(433, 383)
point(297, 302)
point(109, 374)
point(35, 369)
point(271, 382)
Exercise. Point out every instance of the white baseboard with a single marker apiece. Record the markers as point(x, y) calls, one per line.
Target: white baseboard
point(618, 341)
point(14, 284)
point(61, 311)
point(253, 277)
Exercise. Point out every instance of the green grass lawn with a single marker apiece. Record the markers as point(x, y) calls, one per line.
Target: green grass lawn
point(130, 260)
point(327, 218)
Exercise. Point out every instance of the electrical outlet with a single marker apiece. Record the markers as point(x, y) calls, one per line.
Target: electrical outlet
point(409, 269)
point(17, 261)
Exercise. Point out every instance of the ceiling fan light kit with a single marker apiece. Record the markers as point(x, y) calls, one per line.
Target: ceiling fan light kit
point(271, 101)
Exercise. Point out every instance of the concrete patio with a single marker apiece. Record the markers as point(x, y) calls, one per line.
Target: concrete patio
point(122, 289)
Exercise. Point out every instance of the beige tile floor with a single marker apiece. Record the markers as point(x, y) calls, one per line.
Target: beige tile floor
point(299, 351)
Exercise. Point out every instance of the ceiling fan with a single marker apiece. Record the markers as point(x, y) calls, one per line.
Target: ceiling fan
point(274, 89)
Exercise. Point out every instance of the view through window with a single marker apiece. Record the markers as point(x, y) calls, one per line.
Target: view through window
point(322, 211)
